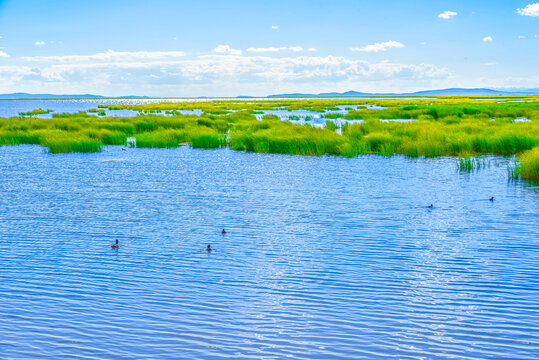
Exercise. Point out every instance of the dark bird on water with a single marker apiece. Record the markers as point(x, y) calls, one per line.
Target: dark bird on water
point(223, 232)
point(430, 206)
point(208, 248)
point(116, 245)
point(492, 198)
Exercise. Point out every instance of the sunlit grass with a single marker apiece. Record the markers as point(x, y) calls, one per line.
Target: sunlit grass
point(527, 166)
point(446, 126)
point(469, 164)
point(35, 112)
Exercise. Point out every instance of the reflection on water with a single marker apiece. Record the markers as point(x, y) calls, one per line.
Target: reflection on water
point(522, 119)
point(325, 257)
point(9, 108)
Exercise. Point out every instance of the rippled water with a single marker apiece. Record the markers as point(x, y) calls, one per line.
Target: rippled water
point(325, 257)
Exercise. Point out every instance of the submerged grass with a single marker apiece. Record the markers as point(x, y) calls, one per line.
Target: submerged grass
point(469, 164)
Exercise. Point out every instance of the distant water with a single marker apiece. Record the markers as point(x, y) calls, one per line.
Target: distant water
point(325, 257)
point(10, 108)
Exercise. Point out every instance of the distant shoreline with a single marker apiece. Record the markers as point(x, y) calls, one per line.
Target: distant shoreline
point(438, 92)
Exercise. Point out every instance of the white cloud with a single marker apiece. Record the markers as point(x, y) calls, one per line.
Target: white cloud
point(492, 63)
point(447, 15)
point(521, 37)
point(3, 54)
point(530, 10)
point(274, 27)
point(295, 48)
point(39, 43)
point(275, 49)
point(382, 46)
point(205, 69)
point(226, 49)
point(312, 49)
point(487, 38)
point(110, 55)
point(117, 73)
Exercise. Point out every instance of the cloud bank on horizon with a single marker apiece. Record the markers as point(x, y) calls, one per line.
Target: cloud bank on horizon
point(365, 48)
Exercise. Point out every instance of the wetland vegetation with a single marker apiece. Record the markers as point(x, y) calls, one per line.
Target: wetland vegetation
point(464, 127)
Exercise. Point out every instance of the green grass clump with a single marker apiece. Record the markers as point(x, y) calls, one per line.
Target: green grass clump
point(18, 138)
point(469, 164)
point(528, 165)
point(159, 139)
point(60, 142)
point(206, 141)
point(466, 164)
point(330, 125)
point(113, 138)
point(275, 136)
point(35, 112)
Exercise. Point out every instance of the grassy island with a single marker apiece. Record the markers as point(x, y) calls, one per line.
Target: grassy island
point(453, 126)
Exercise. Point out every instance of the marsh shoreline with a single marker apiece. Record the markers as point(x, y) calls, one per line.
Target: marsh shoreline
point(464, 127)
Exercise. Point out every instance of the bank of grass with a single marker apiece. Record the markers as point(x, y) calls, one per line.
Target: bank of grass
point(272, 135)
point(462, 127)
point(527, 165)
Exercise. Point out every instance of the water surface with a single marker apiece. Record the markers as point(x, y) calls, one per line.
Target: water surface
point(325, 257)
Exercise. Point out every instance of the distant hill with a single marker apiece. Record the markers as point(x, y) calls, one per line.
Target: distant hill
point(48, 96)
point(440, 92)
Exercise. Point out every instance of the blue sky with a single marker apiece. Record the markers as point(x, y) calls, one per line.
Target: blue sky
point(229, 48)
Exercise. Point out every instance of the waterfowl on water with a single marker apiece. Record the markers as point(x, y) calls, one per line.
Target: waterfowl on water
point(116, 245)
point(223, 232)
point(492, 198)
point(430, 206)
point(208, 249)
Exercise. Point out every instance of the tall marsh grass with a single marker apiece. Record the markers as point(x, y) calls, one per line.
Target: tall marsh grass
point(469, 164)
point(455, 126)
point(527, 165)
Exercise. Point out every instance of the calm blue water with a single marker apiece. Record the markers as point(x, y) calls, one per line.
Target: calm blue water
point(10, 108)
point(326, 257)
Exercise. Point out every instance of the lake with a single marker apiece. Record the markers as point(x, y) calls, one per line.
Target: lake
point(9, 108)
point(325, 257)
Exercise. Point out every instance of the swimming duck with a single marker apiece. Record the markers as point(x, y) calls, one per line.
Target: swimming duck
point(223, 232)
point(430, 206)
point(116, 245)
point(492, 198)
point(208, 249)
